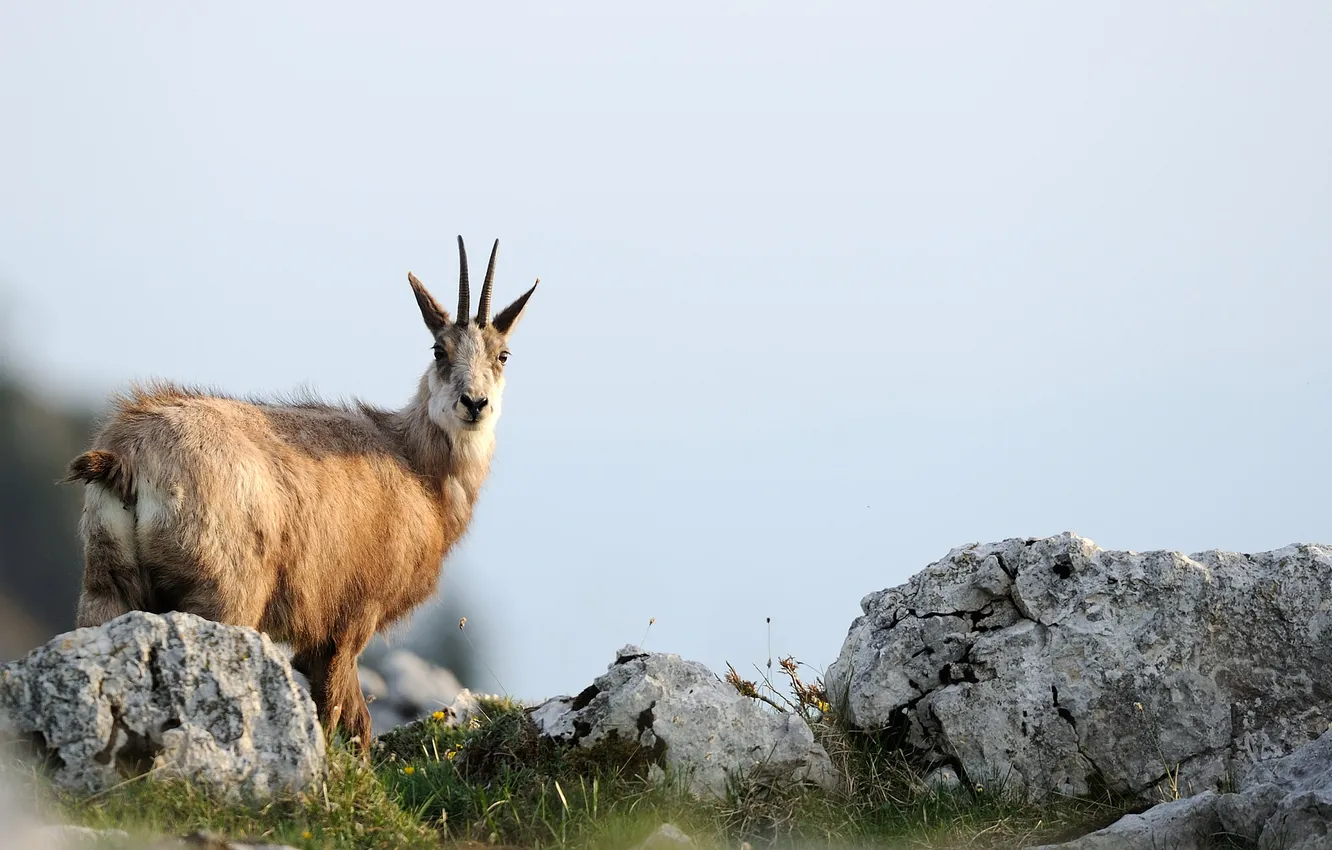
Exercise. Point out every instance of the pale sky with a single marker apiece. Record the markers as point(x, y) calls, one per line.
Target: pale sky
point(827, 289)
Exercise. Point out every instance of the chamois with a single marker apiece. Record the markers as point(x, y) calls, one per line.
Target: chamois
point(318, 524)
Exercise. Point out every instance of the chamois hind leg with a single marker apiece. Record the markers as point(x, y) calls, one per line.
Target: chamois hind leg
point(113, 582)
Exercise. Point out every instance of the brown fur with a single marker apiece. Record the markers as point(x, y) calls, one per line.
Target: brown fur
point(101, 468)
point(316, 523)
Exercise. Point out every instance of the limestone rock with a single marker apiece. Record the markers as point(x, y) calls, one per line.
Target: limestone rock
point(467, 707)
point(416, 687)
point(1285, 803)
point(175, 693)
point(696, 724)
point(1053, 665)
point(943, 778)
point(668, 836)
point(1187, 824)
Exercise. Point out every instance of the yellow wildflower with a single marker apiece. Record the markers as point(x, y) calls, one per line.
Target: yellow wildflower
point(307, 835)
point(438, 715)
point(409, 770)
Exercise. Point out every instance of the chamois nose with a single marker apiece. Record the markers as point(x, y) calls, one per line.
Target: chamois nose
point(473, 405)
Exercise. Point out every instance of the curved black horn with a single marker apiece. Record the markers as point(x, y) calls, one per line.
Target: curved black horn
point(464, 294)
point(483, 309)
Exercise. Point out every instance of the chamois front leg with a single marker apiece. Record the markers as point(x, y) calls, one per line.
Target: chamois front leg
point(334, 683)
point(344, 689)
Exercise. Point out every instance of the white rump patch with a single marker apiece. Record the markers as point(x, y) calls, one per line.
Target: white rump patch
point(153, 505)
point(103, 508)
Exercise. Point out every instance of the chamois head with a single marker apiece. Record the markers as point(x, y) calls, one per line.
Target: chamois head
point(466, 381)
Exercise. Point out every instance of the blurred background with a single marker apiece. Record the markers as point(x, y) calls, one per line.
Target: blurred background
point(827, 290)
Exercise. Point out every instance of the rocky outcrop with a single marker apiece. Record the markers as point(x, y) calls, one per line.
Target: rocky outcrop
point(696, 725)
point(1053, 665)
point(172, 693)
point(403, 687)
point(1286, 803)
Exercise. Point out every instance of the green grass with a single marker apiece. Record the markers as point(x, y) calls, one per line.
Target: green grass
point(497, 782)
point(353, 808)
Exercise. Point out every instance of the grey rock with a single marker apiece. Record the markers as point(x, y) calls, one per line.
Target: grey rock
point(415, 687)
point(467, 709)
point(1053, 665)
point(668, 836)
point(1303, 821)
point(1287, 803)
point(697, 725)
point(416, 684)
point(555, 718)
point(1187, 824)
point(943, 778)
point(176, 693)
point(1284, 803)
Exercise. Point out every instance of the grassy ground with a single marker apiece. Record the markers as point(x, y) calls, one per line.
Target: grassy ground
point(495, 782)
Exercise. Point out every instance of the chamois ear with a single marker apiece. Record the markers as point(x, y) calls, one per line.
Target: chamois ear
point(436, 317)
point(508, 318)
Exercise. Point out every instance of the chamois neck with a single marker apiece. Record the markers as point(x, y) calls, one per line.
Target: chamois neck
point(438, 456)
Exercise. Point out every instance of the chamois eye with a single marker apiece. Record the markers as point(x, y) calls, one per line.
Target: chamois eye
point(440, 354)
point(504, 357)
